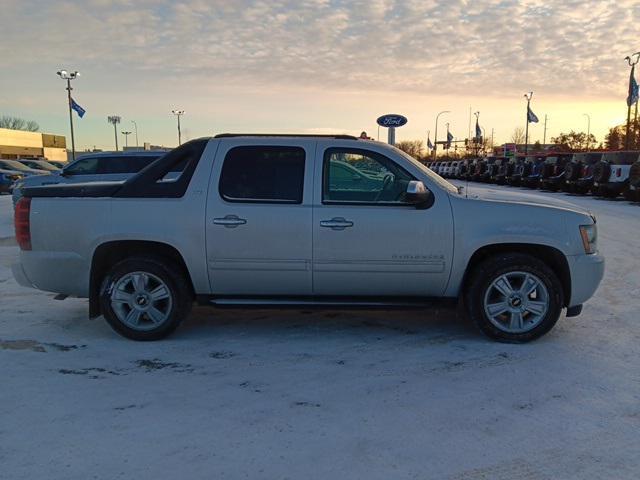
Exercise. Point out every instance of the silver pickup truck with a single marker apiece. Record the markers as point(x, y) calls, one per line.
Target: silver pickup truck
point(290, 220)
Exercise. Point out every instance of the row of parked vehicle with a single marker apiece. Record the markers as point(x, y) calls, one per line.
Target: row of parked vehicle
point(606, 174)
point(98, 166)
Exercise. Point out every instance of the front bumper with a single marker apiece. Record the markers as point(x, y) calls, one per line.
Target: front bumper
point(586, 274)
point(613, 187)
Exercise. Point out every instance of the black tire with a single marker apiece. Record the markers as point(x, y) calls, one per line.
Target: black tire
point(179, 290)
point(493, 267)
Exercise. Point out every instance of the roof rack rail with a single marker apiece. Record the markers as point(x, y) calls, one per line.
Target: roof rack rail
point(304, 135)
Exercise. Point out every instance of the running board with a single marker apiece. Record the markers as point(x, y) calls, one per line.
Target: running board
point(325, 303)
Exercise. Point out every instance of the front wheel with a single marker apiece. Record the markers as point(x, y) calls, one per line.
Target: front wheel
point(514, 298)
point(145, 298)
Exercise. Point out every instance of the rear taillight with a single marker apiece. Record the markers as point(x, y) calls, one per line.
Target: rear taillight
point(619, 172)
point(22, 223)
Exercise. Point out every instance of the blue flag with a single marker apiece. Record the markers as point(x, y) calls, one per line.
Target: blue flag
point(79, 110)
point(531, 117)
point(633, 88)
point(478, 130)
point(449, 139)
point(429, 144)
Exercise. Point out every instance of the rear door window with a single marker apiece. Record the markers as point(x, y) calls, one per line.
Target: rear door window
point(84, 166)
point(263, 174)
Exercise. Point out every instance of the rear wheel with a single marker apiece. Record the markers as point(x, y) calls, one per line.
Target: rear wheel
point(145, 298)
point(514, 298)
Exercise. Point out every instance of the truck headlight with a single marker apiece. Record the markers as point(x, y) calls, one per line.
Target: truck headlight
point(589, 234)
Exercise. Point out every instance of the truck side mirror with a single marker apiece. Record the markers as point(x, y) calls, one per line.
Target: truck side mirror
point(418, 195)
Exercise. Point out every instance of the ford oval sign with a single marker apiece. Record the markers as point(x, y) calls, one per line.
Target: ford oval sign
point(392, 120)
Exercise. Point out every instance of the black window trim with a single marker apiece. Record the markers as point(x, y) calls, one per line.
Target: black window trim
point(271, 201)
point(362, 151)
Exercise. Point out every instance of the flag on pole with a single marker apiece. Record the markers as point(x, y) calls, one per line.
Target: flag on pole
point(633, 88)
point(429, 144)
point(79, 110)
point(478, 130)
point(531, 117)
point(449, 139)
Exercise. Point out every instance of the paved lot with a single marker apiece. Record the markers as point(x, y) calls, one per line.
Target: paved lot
point(324, 394)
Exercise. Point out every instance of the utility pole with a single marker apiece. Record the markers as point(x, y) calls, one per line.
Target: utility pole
point(178, 113)
point(68, 76)
point(135, 126)
point(476, 139)
point(528, 96)
point(544, 137)
point(492, 140)
point(114, 120)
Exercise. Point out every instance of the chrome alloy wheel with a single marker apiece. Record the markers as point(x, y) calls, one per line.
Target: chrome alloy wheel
point(516, 302)
point(141, 301)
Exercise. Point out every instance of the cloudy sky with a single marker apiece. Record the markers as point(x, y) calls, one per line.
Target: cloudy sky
point(316, 65)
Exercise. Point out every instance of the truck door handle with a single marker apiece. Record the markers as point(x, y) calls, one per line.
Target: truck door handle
point(230, 221)
point(337, 223)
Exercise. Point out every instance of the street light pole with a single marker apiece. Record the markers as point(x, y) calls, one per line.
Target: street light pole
point(544, 137)
point(588, 128)
point(477, 114)
point(435, 138)
point(135, 126)
point(178, 113)
point(68, 76)
point(126, 139)
point(528, 96)
point(114, 120)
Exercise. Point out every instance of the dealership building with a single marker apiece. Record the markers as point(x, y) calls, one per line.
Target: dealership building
point(15, 144)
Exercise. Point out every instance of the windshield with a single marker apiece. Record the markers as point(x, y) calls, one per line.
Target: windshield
point(13, 165)
point(427, 171)
point(40, 165)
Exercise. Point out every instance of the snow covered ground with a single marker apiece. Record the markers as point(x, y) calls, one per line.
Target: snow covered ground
point(324, 394)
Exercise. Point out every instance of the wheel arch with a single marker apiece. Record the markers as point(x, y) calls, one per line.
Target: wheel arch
point(109, 253)
point(551, 256)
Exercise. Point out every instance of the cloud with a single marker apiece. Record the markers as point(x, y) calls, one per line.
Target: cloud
point(490, 47)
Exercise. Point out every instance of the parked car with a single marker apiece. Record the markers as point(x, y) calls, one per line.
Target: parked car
point(521, 169)
point(505, 170)
point(7, 179)
point(493, 169)
point(633, 192)
point(92, 167)
point(553, 174)
point(254, 220)
point(611, 173)
point(537, 165)
point(18, 167)
point(39, 165)
point(461, 169)
point(58, 163)
point(579, 172)
point(480, 169)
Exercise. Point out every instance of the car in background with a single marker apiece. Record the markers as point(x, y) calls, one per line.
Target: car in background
point(58, 163)
point(494, 169)
point(38, 164)
point(633, 192)
point(579, 172)
point(611, 173)
point(93, 167)
point(553, 171)
point(505, 171)
point(537, 165)
point(7, 179)
point(15, 166)
point(520, 170)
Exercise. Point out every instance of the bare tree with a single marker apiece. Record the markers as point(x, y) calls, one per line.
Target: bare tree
point(517, 136)
point(16, 123)
point(415, 148)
